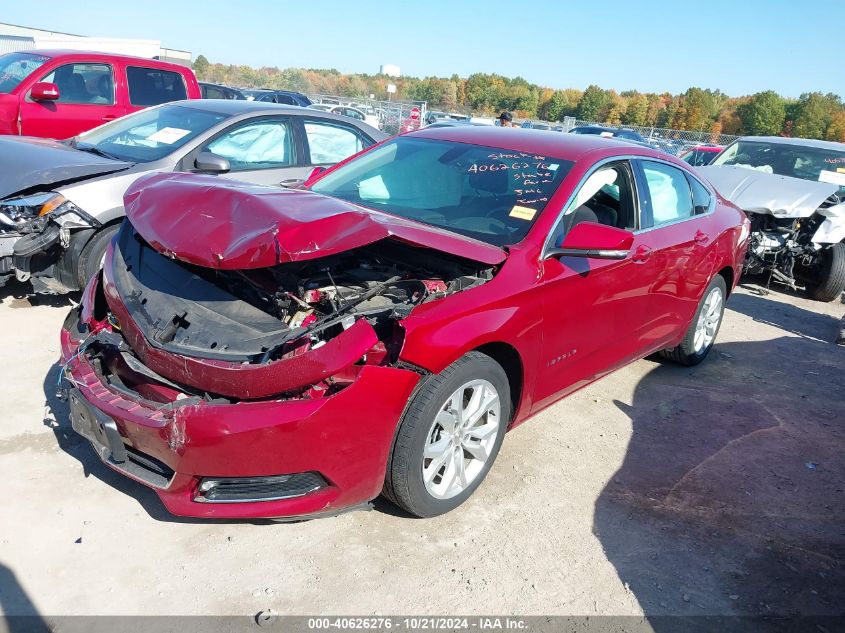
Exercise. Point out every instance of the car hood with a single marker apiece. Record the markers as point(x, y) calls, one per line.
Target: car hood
point(761, 192)
point(28, 163)
point(225, 224)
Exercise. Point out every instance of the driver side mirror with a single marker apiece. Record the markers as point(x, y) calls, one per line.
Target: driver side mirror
point(599, 241)
point(45, 91)
point(211, 163)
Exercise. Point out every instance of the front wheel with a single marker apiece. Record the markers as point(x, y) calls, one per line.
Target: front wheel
point(829, 279)
point(449, 436)
point(92, 256)
point(701, 333)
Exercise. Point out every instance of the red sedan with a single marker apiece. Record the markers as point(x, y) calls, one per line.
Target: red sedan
point(251, 352)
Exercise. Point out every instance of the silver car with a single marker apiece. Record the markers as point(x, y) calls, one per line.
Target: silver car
point(62, 201)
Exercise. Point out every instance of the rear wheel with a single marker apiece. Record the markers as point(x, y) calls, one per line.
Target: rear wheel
point(91, 257)
point(702, 332)
point(829, 281)
point(449, 436)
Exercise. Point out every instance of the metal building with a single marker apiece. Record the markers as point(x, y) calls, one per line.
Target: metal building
point(21, 38)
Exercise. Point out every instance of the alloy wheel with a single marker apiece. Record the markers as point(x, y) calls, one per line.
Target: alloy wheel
point(461, 439)
point(708, 320)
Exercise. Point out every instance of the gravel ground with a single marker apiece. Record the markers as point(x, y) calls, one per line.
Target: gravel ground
point(658, 490)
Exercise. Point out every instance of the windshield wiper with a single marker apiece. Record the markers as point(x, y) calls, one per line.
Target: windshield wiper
point(91, 149)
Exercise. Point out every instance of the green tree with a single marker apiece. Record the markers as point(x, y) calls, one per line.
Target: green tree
point(763, 115)
point(700, 108)
point(813, 114)
point(201, 66)
point(637, 111)
point(593, 104)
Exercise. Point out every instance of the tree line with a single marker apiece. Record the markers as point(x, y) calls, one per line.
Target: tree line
point(812, 115)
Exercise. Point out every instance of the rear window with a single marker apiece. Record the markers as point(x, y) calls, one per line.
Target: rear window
point(486, 193)
point(152, 86)
point(15, 67)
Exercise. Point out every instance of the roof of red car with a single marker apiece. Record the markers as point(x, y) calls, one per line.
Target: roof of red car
point(557, 144)
point(62, 52)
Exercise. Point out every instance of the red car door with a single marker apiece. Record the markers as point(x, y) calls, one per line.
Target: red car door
point(591, 308)
point(86, 99)
point(676, 229)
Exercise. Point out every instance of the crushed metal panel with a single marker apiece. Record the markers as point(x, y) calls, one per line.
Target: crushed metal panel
point(229, 225)
point(761, 192)
point(27, 163)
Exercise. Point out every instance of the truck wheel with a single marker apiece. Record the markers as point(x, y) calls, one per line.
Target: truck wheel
point(830, 281)
point(91, 257)
point(702, 332)
point(449, 436)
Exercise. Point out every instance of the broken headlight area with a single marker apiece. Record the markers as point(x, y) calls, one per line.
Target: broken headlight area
point(299, 329)
point(31, 214)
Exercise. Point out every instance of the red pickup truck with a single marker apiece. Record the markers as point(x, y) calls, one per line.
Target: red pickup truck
point(59, 94)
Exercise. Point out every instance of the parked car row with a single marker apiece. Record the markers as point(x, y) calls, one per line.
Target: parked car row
point(286, 313)
point(61, 202)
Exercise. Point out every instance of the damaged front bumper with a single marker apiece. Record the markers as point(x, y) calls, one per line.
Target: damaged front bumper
point(7, 245)
point(46, 252)
point(280, 457)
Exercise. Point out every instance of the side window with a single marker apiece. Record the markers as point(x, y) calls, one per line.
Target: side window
point(669, 193)
point(605, 197)
point(700, 196)
point(84, 83)
point(214, 93)
point(151, 86)
point(285, 99)
point(265, 144)
point(330, 143)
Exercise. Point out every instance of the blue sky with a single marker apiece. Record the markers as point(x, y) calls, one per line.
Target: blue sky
point(738, 46)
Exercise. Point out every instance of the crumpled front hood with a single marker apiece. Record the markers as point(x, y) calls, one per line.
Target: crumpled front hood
point(761, 192)
point(26, 163)
point(225, 224)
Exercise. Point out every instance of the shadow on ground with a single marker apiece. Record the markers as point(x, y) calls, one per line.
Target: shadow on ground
point(18, 294)
point(731, 496)
point(17, 611)
point(786, 316)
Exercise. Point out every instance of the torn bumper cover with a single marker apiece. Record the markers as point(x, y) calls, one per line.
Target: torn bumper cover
point(281, 457)
point(46, 250)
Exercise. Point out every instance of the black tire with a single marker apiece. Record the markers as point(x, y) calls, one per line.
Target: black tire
point(91, 257)
point(685, 353)
point(404, 483)
point(830, 282)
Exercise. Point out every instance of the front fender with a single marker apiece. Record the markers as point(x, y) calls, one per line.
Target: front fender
point(832, 228)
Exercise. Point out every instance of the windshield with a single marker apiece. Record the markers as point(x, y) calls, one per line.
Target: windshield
point(15, 67)
point(796, 161)
point(489, 194)
point(148, 135)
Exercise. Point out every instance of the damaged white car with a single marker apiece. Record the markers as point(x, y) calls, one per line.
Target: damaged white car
point(793, 191)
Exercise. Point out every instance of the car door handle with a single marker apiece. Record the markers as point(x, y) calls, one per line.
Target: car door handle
point(641, 254)
point(292, 182)
point(110, 117)
point(701, 237)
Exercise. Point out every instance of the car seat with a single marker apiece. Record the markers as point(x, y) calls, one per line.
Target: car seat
point(75, 89)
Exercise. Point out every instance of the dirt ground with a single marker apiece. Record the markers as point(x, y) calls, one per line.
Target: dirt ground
point(659, 490)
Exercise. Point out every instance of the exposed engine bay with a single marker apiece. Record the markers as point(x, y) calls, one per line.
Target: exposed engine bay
point(784, 247)
point(276, 318)
point(797, 227)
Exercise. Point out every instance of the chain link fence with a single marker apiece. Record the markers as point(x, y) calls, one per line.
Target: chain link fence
point(391, 117)
point(668, 140)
